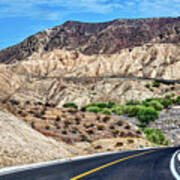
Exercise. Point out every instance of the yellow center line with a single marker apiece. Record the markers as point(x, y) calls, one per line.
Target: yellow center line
point(110, 164)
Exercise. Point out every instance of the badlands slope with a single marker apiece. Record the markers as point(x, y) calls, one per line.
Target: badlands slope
point(156, 61)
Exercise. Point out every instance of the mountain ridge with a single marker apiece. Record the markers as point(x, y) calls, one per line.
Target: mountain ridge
point(92, 38)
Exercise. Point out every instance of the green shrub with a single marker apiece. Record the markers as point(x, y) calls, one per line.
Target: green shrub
point(101, 105)
point(147, 85)
point(118, 109)
point(98, 104)
point(155, 104)
point(106, 111)
point(166, 102)
point(146, 115)
point(178, 100)
point(70, 105)
point(88, 105)
point(110, 104)
point(156, 84)
point(133, 102)
point(155, 136)
point(94, 109)
point(132, 111)
point(125, 109)
point(148, 100)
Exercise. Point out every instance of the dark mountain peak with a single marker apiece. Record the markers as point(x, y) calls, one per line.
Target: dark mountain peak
point(94, 38)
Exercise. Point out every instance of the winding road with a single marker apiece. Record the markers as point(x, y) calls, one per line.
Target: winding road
point(150, 164)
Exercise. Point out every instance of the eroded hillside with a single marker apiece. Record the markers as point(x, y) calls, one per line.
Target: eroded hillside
point(96, 38)
point(156, 61)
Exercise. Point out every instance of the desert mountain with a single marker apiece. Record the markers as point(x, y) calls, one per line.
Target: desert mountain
point(96, 38)
point(142, 47)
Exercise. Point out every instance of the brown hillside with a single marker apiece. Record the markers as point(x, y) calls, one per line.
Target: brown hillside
point(96, 38)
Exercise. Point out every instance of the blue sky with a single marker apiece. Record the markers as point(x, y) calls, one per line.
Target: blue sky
point(21, 18)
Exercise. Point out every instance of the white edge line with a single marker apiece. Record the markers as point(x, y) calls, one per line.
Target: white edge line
point(172, 166)
point(20, 168)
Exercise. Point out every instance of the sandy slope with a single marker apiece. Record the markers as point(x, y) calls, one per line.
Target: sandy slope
point(20, 144)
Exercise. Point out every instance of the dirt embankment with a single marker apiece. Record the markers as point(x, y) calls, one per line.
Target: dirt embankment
point(20, 144)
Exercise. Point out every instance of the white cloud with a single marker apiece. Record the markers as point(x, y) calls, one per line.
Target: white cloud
point(32, 8)
point(160, 7)
point(60, 8)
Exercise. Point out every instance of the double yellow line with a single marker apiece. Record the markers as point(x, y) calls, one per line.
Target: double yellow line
point(110, 164)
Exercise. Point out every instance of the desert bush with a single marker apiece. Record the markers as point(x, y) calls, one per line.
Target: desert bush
point(101, 105)
point(156, 84)
point(149, 100)
point(117, 109)
point(155, 104)
point(94, 109)
point(166, 102)
point(98, 104)
point(155, 136)
point(106, 111)
point(147, 85)
point(132, 111)
point(70, 105)
point(110, 104)
point(133, 102)
point(146, 115)
point(178, 100)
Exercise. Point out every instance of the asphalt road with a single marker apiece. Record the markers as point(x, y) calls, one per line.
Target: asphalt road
point(132, 165)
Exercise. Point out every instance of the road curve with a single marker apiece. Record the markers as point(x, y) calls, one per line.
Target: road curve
point(151, 164)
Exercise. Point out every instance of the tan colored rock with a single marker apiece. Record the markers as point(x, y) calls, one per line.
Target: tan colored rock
point(153, 60)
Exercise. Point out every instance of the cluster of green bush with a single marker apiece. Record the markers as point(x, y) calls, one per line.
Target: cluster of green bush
point(146, 111)
point(99, 107)
point(155, 136)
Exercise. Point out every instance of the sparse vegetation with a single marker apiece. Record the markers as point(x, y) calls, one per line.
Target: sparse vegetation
point(106, 111)
point(146, 111)
point(156, 84)
point(110, 104)
point(146, 115)
point(178, 100)
point(133, 111)
point(155, 104)
point(155, 136)
point(133, 102)
point(147, 85)
point(166, 102)
point(70, 105)
point(94, 109)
